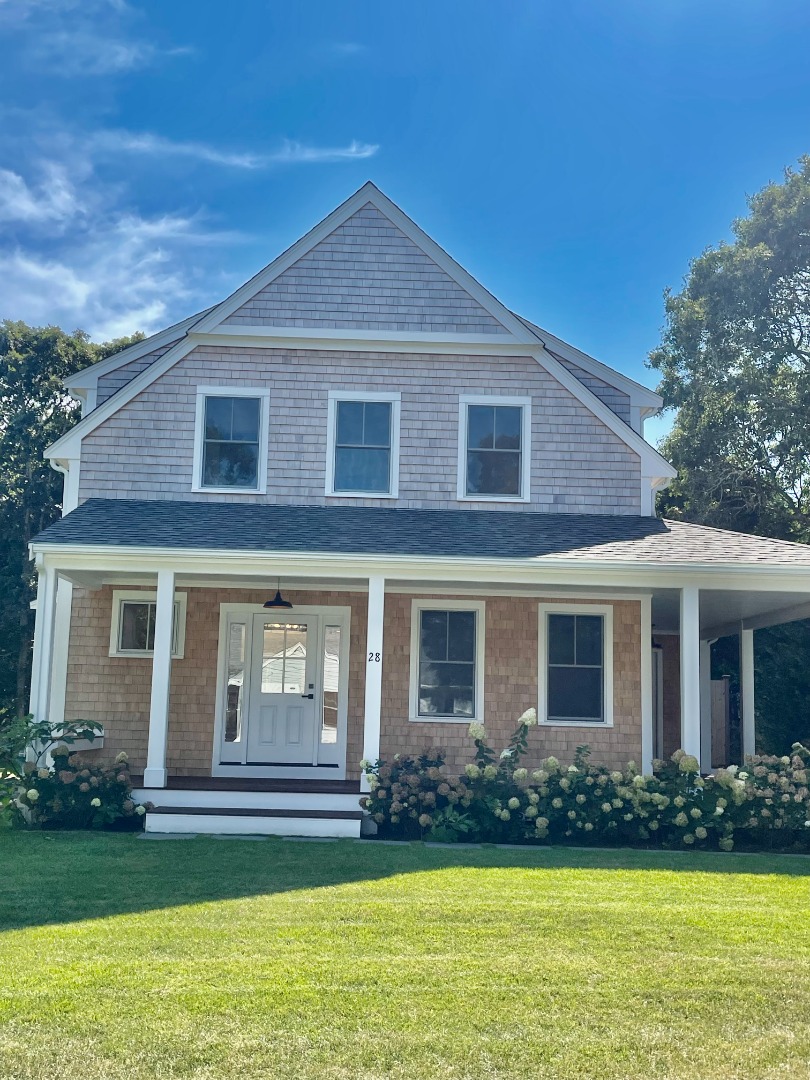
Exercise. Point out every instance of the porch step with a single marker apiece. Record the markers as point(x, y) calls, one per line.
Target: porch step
point(240, 783)
point(214, 798)
point(253, 821)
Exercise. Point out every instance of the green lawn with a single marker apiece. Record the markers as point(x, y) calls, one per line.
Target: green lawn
point(128, 958)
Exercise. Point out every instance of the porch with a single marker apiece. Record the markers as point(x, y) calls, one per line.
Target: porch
point(340, 672)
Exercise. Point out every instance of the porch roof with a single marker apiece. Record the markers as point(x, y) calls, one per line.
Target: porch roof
point(352, 530)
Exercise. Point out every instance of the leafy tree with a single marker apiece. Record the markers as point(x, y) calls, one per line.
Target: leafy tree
point(34, 411)
point(735, 362)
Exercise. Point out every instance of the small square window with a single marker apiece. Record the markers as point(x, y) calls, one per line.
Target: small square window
point(132, 632)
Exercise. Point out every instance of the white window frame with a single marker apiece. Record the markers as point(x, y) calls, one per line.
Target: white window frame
point(395, 399)
point(525, 403)
point(122, 596)
point(417, 606)
point(204, 392)
point(606, 611)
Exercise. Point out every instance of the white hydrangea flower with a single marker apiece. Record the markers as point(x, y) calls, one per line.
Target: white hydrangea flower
point(476, 731)
point(140, 810)
point(95, 802)
point(573, 769)
point(513, 804)
point(32, 794)
point(472, 771)
point(520, 775)
point(529, 718)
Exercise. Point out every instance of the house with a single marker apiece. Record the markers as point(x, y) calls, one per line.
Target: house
point(355, 506)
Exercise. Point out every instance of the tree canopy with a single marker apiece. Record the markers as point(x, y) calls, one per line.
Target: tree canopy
point(735, 362)
point(35, 410)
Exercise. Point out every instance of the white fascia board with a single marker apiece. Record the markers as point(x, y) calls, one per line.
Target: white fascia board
point(368, 193)
point(546, 570)
point(637, 392)
point(337, 338)
point(70, 443)
point(89, 377)
point(651, 461)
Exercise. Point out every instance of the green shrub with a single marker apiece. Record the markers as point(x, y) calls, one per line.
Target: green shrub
point(496, 800)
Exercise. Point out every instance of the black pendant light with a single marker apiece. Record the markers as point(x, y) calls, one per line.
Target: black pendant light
point(278, 600)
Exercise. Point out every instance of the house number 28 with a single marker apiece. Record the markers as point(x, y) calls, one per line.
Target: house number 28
point(374, 658)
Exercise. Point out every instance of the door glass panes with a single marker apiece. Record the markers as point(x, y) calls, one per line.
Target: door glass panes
point(236, 682)
point(284, 658)
point(447, 663)
point(575, 667)
point(363, 446)
point(494, 450)
point(231, 443)
point(331, 682)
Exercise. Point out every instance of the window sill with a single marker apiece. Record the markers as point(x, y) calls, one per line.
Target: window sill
point(575, 723)
point(140, 654)
point(361, 495)
point(227, 490)
point(493, 498)
point(445, 720)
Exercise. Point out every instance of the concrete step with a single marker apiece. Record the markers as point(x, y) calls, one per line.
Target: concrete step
point(206, 798)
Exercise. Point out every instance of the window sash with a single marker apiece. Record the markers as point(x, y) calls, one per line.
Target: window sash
point(223, 441)
point(588, 677)
point(363, 453)
point(489, 457)
point(447, 675)
point(151, 612)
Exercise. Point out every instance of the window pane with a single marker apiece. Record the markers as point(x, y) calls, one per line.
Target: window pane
point(377, 427)
point(331, 683)
point(447, 689)
point(493, 472)
point(273, 658)
point(433, 635)
point(507, 427)
point(589, 639)
point(574, 693)
point(361, 469)
point(236, 682)
point(461, 636)
point(349, 423)
point(561, 639)
point(135, 619)
point(218, 417)
point(245, 419)
point(284, 658)
point(480, 427)
point(230, 464)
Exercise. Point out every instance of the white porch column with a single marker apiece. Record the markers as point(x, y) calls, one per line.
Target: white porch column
point(374, 652)
point(705, 707)
point(747, 691)
point(647, 713)
point(42, 661)
point(154, 775)
point(690, 670)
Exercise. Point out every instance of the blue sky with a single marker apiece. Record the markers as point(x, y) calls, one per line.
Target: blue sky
point(573, 156)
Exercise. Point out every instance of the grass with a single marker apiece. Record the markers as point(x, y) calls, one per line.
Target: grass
point(126, 958)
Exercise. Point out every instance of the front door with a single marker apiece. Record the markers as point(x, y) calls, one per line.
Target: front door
point(284, 689)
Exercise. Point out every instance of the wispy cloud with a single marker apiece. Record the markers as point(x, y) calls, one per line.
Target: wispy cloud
point(289, 153)
point(75, 38)
point(52, 200)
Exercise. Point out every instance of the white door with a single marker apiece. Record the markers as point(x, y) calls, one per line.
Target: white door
point(281, 721)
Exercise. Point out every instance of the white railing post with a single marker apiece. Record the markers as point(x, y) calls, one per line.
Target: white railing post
point(154, 775)
point(374, 655)
point(690, 670)
point(747, 692)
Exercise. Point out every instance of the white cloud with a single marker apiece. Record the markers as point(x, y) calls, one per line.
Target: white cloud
point(290, 152)
point(54, 200)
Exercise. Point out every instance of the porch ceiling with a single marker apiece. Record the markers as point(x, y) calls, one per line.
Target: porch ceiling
point(723, 610)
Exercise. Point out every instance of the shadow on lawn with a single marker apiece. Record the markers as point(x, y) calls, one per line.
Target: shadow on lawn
point(64, 877)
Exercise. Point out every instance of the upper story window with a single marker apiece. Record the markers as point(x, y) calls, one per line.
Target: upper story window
point(363, 444)
point(576, 664)
point(494, 452)
point(230, 440)
point(447, 660)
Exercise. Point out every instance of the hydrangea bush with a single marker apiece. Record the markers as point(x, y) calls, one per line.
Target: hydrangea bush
point(766, 804)
point(75, 794)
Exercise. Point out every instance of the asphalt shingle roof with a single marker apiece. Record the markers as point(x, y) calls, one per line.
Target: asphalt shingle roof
point(345, 530)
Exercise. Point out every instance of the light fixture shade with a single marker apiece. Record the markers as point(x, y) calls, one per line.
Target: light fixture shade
point(278, 601)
